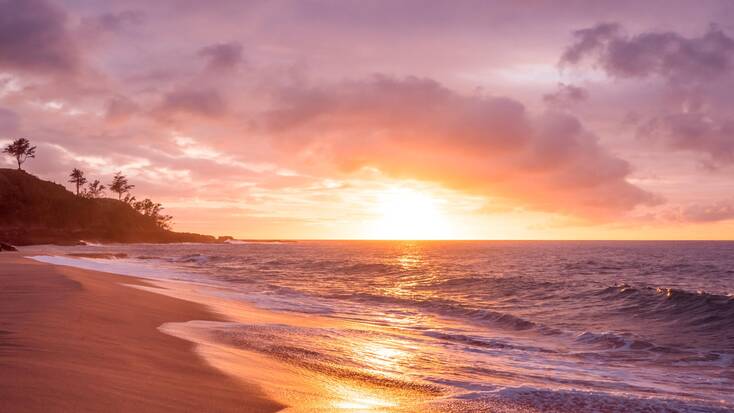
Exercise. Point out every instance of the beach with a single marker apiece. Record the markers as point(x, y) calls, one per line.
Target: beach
point(78, 340)
point(390, 327)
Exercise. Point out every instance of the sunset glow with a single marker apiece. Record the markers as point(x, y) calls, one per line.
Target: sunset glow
point(242, 130)
point(410, 215)
point(375, 206)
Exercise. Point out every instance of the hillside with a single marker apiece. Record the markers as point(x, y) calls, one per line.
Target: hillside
point(34, 211)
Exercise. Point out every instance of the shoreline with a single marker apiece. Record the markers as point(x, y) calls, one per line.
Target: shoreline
point(288, 385)
point(81, 340)
point(269, 355)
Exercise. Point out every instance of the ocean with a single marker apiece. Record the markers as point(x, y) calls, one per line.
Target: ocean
point(472, 326)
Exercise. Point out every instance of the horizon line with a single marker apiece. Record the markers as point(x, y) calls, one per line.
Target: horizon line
point(479, 240)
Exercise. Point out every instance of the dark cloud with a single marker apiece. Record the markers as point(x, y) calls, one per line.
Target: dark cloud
point(34, 37)
point(207, 103)
point(667, 54)
point(417, 128)
point(693, 131)
point(693, 112)
point(111, 22)
point(566, 95)
point(222, 56)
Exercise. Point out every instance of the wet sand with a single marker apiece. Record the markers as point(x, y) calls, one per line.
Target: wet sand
point(81, 341)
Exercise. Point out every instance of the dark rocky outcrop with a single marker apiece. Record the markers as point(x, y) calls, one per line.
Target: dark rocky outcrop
point(7, 247)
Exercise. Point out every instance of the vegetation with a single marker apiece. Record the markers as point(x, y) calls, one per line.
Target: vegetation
point(120, 186)
point(77, 177)
point(33, 211)
point(94, 190)
point(21, 150)
point(129, 199)
point(153, 210)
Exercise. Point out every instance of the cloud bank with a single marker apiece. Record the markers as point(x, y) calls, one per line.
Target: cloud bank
point(693, 114)
point(417, 128)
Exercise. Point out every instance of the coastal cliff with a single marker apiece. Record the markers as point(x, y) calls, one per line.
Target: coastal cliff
point(34, 211)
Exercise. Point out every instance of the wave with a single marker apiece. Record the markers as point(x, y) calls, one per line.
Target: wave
point(90, 244)
point(677, 317)
point(451, 309)
point(98, 255)
point(282, 343)
point(700, 309)
point(483, 342)
point(199, 259)
point(608, 340)
point(532, 399)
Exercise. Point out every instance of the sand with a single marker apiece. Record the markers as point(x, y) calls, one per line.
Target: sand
point(82, 341)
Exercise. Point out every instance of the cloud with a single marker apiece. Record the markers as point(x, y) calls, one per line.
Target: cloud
point(207, 103)
point(34, 37)
point(9, 122)
point(693, 131)
point(120, 108)
point(693, 112)
point(669, 55)
point(112, 22)
point(222, 56)
point(566, 95)
point(416, 128)
point(714, 212)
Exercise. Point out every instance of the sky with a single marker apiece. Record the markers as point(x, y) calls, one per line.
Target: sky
point(386, 119)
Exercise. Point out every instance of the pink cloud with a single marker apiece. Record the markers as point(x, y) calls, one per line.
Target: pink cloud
point(416, 128)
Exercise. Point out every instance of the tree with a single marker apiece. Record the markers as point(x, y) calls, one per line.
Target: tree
point(94, 189)
point(77, 177)
point(120, 185)
point(153, 210)
point(129, 199)
point(21, 150)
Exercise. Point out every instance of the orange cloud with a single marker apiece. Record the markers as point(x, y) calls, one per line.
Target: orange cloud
point(417, 128)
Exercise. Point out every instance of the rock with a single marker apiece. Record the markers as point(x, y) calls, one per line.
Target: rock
point(224, 238)
point(7, 247)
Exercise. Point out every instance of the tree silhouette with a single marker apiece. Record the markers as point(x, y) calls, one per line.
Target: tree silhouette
point(77, 177)
point(153, 210)
point(94, 189)
point(120, 185)
point(129, 199)
point(21, 150)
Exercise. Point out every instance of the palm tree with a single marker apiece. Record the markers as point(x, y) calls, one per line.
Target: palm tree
point(120, 186)
point(95, 189)
point(21, 150)
point(77, 177)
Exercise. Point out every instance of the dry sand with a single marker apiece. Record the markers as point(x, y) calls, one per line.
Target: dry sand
point(78, 340)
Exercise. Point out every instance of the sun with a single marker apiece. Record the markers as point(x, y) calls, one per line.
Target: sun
point(408, 214)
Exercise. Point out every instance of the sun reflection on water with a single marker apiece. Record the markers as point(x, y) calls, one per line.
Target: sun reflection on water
point(414, 276)
point(409, 261)
point(381, 357)
point(352, 398)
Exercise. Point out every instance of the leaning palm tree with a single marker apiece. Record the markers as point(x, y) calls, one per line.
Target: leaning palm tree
point(77, 177)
